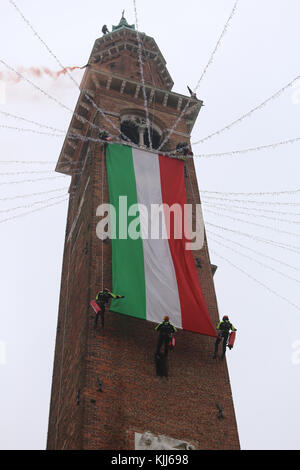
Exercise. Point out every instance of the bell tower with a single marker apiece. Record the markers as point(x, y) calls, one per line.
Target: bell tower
point(105, 392)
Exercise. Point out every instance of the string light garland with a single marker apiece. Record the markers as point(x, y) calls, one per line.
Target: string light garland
point(71, 135)
point(286, 276)
point(294, 234)
point(248, 150)
point(254, 279)
point(251, 201)
point(60, 133)
point(17, 173)
point(32, 211)
point(26, 206)
point(28, 162)
point(259, 209)
point(249, 113)
point(276, 219)
point(22, 196)
point(86, 95)
point(142, 74)
point(34, 131)
point(264, 255)
point(52, 98)
point(67, 72)
point(33, 181)
point(284, 246)
point(28, 172)
point(262, 193)
point(210, 61)
point(54, 129)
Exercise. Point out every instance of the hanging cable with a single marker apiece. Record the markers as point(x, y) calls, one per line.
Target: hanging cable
point(28, 172)
point(74, 170)
point(64, 134)
point(210, 61)
point(140, 53)
point(38, 162)
point(291, 248)
point(253, 149)
point(71, 135)
point(22, 129)
point(22, 196)
point(251, 201)
point(258, 209)
point(54, 129)
point(68, 73)
point(33, 181)
point(255, 280)
point(77, 137)
point(28, 162)
point(253, 250)
point(260, 239)
point(284, 246)
point(217, 45)
point(294, 234)
point(269, 193)
point(275, 219)
point(26, 206)
point(32, 211)
point(249, 113)
point(286, 276)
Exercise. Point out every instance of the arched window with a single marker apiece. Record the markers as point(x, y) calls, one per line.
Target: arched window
point(135, 128)
point(131, 130)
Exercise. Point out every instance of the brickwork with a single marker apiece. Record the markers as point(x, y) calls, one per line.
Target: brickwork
point(133, 399)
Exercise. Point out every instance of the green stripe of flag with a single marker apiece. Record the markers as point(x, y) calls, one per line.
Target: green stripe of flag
point(127, 254)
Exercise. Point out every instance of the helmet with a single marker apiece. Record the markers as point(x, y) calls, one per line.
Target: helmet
point(106, 289)
point(166, 318)
point(225, 317)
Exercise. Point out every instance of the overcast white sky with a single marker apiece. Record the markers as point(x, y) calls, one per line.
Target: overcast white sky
point(258, 56)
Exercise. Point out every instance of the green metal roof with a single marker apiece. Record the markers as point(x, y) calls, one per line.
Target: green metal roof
point(123, 23)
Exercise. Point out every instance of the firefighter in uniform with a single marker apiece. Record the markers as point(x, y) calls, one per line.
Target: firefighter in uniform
point(166, 331)
point(224, 328)
point(102, 299)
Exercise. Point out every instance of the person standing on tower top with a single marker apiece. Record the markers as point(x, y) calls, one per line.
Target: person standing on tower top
point(105, 29)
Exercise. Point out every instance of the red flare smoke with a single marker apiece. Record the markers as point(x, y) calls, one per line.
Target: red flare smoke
point(66, 69)
point(36, 72)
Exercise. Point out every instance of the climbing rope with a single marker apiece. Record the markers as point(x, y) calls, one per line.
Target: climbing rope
point(102, 201)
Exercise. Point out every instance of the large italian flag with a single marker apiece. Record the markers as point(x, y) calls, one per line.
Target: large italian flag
point(158, 277)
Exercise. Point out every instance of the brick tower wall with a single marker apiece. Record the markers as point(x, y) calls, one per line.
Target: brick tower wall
point(133, 399)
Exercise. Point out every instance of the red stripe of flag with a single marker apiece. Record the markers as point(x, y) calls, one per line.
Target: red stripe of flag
point(195, 315)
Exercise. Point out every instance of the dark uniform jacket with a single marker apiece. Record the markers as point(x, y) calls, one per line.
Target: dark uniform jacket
point(103, 297)
point(165, 328)
point(225, 326)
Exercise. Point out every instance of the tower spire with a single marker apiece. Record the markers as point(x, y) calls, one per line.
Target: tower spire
point(123, 23)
